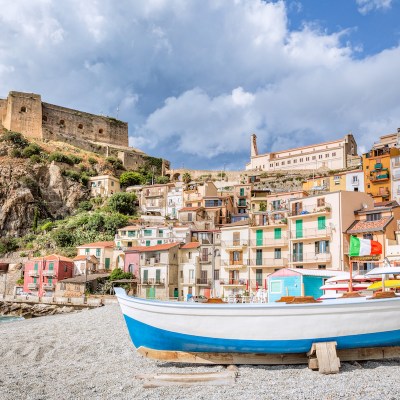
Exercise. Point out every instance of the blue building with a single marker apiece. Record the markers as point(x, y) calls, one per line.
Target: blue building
point(298, 282)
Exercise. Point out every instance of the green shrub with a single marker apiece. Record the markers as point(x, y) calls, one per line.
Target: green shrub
point(15, 138)
point(20, 281)
point(130, 178)
point(162, 179)
point(31, 150)
point(70, 173)
point(92, 161)
point(23, 254)
point(60, 157)
point(16, 153)
point(118, 273)
point(84, 178)
point(85, 205)
point(37, 253)
point(75, 159)
point(30, 183)
point(35, 158)
point(63, 238)
point(8, 245)
point(46, 227)
point(124, 203)
point(115, 162)
point(112, 222)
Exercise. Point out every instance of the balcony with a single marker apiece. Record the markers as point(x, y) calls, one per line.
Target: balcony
point(378, 166)
point(264, 220)
point(310, 258)
point(310, 210)
point(381, 177)
point(154, 193)
point(48, 286)
point(270, 241)
point(49, 273)
point(259, 283)
point(234, 245)
point(33, 273)
point(151, 261)
point(154, 281)
point(310, 233)
point(233, 264)
point(204, 282)
point(232, 282)
point(268, 262)
point(242, 203)
point(188, 282)
point(205, 260)
point(33, 286)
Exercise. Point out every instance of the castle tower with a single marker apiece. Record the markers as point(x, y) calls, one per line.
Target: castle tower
point(24, 114)
point(254, 151)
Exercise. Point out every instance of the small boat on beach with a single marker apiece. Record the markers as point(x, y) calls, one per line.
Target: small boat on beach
point(260, 328)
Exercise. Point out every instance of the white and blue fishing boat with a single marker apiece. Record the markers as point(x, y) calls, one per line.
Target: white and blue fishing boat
point(260, 328)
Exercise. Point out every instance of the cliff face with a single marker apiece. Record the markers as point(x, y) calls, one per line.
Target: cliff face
point(26, 187)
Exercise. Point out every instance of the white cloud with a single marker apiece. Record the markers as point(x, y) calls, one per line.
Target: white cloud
point(366, 6)
point(195, 79)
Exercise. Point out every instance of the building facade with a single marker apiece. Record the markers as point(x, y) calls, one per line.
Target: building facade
point(104, 185)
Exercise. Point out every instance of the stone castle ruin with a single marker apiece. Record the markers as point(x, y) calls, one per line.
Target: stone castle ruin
point(27, 114)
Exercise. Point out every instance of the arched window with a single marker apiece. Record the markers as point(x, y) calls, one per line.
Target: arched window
point(80, 126)
point(23, 109)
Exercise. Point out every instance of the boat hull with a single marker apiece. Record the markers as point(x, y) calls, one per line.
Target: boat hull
point(260, 328)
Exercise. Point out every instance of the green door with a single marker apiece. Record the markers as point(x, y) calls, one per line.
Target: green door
point(36, 267)
point(259, 237)
point(150, 293)
point(158, 275)
point(242, 191)
point(278, 233)
point(321, 223)
point(176, 293)
point(299, 228)
point(107, 263)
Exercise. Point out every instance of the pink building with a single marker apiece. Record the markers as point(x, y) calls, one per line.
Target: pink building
point(132, 261)
point(42, 274)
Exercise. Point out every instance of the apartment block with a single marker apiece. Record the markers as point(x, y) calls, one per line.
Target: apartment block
point(174, 201)
point(241, 201)
point(154, 199)
point(103, 185)
point(43, 273)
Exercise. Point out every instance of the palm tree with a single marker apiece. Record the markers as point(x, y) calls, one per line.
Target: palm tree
point(186, 177)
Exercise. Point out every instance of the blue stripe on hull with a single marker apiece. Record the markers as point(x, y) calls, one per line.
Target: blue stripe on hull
point(159, 339)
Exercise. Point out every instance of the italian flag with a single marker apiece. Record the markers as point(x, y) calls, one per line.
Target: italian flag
point(364, 247)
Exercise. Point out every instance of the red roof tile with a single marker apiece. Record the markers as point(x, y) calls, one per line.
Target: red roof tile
point(369, 226)
point(158, 247)
point(191, 245)
point(52, 257)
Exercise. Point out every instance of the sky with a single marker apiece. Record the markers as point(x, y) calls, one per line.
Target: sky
point(195, 78)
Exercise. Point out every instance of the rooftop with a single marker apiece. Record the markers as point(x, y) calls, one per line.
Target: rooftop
point(96, 245)
point(369, 226)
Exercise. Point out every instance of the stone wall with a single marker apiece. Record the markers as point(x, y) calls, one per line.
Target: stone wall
point(60, 122)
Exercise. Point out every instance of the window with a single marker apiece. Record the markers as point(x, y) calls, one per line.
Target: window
point(159, 241)
point(236, 238)
point(275, 287)
point(322, 247)
point(190, 255)
point(98, 252)
point(374, 217)
point(278, 233)
point(80, 126)
point(321, 202)
point(259, 260)
point(23, 109)
point(100, 130)
point(321, 223)
point(216, 275)
point(301, 160)
point(145, 275)
point(277, 254)
point(294, 161)
point(213, 203)
point(241, 191)
point(147, 243)
point(307, 158)
point(283, 162)
point(190, 217)
point(131, 233)
point(326, 155)
point(321, 266)
point(320, 156)
point(314, 157)
point(259, 277)
point(86, 251)
point(355, 179)
point(112, 183)
point(147, 232)
point(288, 162)
point(334, 154)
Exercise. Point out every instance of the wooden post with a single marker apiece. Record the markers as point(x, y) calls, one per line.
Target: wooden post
point(351, 275)
point(324, 358)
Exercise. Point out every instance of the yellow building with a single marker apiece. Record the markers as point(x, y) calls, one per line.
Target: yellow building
point(376, 167)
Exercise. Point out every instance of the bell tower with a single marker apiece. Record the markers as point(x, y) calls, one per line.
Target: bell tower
point(254, 151)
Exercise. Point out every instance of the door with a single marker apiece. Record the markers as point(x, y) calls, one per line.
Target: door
point(298, 252)
point(259, 257)
point(299, 228)
point(158, 275)
point(259, 237)
point(278, 233)
point(107, 263)
point(321, 223)
point(150, 293)
point(241, 191)
point(259, 277)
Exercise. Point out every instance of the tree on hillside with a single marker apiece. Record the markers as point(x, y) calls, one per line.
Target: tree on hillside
point(131, 178)
point(162, 179)
point(124, 203)
point(186, 177)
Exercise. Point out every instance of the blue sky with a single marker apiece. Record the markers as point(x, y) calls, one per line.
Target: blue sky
point(195, 78)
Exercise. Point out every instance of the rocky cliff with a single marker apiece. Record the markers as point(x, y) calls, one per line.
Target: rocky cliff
point(34, 190)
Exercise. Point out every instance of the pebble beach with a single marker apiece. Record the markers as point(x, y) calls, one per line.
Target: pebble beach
point(89, 355)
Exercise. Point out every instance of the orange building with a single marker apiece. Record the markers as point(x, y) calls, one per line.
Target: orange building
point(377, 177)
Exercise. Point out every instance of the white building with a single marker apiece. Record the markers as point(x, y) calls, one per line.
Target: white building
point(174, 201)
point(336, 154)
point(355, 181)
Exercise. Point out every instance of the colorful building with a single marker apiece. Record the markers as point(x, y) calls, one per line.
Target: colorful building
point(104, 252)
point(42, 274)
point(104, 185)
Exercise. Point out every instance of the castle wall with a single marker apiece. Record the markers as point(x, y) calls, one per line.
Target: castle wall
point(3, 110)
point(60, 122)
point(24, 114)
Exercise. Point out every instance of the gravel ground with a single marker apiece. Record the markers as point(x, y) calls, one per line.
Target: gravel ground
point(88, 355)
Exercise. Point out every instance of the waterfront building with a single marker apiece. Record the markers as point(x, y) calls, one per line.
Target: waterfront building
point(104, 252)
point(42, 274)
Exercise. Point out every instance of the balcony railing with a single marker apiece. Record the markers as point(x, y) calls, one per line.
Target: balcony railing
point(269, 241)
point(48, 286)
point(310, 233)
point(379, 177)
point(204, 281)
point(268, 262)
point(233, 263)
point(32, 285)
point(49, 273)
point(264, 220)
point(234, 243)
point(305, 210)
point(237, 282)
point(33, 273)
point(310, 257)
point(152, 261)
point(154, 281)
point(259, 283)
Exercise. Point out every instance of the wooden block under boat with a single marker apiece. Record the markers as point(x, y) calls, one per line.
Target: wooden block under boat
point(215, 300)
point(285, 299)
point(382, 295)
point(302, 300)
